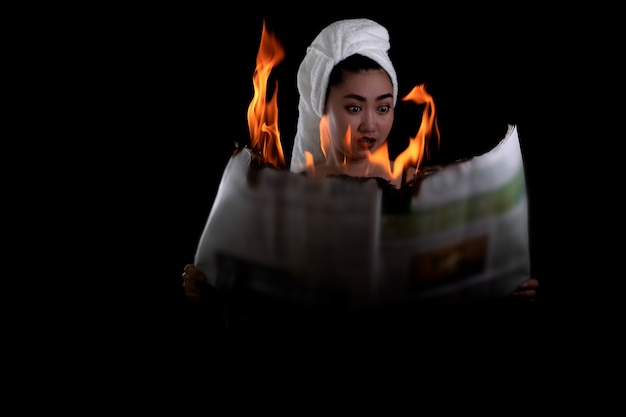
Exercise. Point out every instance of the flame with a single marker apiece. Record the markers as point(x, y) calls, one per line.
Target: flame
point(325, 142)
point(411, 158)
point(413, 155)
point(263, 113)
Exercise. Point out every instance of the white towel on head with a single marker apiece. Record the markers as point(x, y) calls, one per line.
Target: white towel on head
point(334, 43)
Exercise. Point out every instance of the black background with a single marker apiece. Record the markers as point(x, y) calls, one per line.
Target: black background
point(175, 86)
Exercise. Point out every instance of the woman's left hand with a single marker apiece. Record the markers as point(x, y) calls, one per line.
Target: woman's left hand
point(527, 290)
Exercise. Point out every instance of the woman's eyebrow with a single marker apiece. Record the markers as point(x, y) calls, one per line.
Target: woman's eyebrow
point(361, 98)
point(355, 96)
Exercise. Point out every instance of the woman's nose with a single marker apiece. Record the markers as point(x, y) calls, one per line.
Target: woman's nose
point(367, 122)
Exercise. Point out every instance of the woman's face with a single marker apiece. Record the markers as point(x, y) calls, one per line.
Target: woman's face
point(363, 105)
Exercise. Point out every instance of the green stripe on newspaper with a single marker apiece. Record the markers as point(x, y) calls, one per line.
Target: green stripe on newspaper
point(448, 216)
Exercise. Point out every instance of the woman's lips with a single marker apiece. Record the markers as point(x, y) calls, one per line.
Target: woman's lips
point(366, 143)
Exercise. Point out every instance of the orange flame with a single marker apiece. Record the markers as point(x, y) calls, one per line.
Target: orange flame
point(413, 155)
point(263, 114)
point(411, 158)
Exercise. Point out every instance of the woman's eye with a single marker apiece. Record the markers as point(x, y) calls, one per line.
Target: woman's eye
point(353, 109)
point(383, 109)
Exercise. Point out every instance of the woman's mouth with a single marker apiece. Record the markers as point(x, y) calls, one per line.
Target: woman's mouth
point(366, 143)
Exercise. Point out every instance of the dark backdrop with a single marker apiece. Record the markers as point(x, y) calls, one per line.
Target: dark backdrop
point(182, 81)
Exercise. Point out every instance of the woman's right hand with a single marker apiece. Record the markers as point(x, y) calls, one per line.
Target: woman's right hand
point(194, 282)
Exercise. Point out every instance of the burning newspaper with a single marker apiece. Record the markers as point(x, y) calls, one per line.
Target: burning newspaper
point(460, 237)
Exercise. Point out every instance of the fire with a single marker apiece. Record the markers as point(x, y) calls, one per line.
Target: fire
point(413, 155)
point(263, 113)
point(265, 135)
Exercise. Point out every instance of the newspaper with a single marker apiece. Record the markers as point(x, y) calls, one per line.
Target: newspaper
point(465, 237)
point(288, 239)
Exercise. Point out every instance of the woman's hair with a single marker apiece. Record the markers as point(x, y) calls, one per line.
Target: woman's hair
point(354, 63)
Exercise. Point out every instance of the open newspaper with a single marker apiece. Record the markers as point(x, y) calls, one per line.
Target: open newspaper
point(280, 238)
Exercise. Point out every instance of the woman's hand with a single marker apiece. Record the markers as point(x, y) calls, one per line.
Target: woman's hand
point(527, 291)
point(194, 282)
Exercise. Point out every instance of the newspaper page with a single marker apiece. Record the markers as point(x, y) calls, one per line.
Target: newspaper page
point(464, 238)
point(291, 239)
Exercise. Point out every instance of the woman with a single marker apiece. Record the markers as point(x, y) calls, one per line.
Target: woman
point(348, 85)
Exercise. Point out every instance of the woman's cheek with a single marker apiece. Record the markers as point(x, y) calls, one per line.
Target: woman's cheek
point(340, 132)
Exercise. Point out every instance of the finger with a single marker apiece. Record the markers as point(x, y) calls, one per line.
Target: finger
point(525, 293)
point(529, 283)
